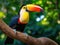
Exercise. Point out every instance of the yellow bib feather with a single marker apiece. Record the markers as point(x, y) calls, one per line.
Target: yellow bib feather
point(24, 16)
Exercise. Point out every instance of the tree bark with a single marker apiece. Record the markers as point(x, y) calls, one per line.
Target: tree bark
point(23, 37)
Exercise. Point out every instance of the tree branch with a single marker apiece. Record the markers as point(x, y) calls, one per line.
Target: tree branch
point(25, 38)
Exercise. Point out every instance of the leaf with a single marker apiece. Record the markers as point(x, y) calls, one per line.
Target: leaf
point(2, 15)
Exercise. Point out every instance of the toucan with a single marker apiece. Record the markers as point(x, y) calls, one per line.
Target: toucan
point(20, 21)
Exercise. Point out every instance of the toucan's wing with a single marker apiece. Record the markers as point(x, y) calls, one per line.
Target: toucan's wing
point(13, 21)
point(12, 24)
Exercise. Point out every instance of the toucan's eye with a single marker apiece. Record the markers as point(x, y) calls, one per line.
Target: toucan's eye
point(24, 7)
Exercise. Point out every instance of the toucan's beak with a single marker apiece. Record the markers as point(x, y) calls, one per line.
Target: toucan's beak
point(34, 8)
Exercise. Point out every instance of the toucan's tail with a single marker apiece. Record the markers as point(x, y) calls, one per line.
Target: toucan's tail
point(9, 41)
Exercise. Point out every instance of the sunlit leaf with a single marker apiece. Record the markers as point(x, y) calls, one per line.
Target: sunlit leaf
point(2, 36)
point(49, 2)
point(39, 2)
point(13, 8)
point(46, 8)
point(45, 19)
point(58, 21)
point(45, 22)
point(2, 15)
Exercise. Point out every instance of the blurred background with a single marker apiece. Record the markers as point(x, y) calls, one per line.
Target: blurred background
point(45, 24)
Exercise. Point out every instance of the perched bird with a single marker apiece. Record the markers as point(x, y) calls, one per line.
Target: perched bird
point(19, 22)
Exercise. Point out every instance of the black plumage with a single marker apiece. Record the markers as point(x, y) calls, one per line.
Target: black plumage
point(15, 25)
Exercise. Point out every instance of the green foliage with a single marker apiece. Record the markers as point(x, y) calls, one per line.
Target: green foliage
point(49, 26)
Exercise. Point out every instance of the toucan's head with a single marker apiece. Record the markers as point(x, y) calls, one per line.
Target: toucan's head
point(24, 12)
